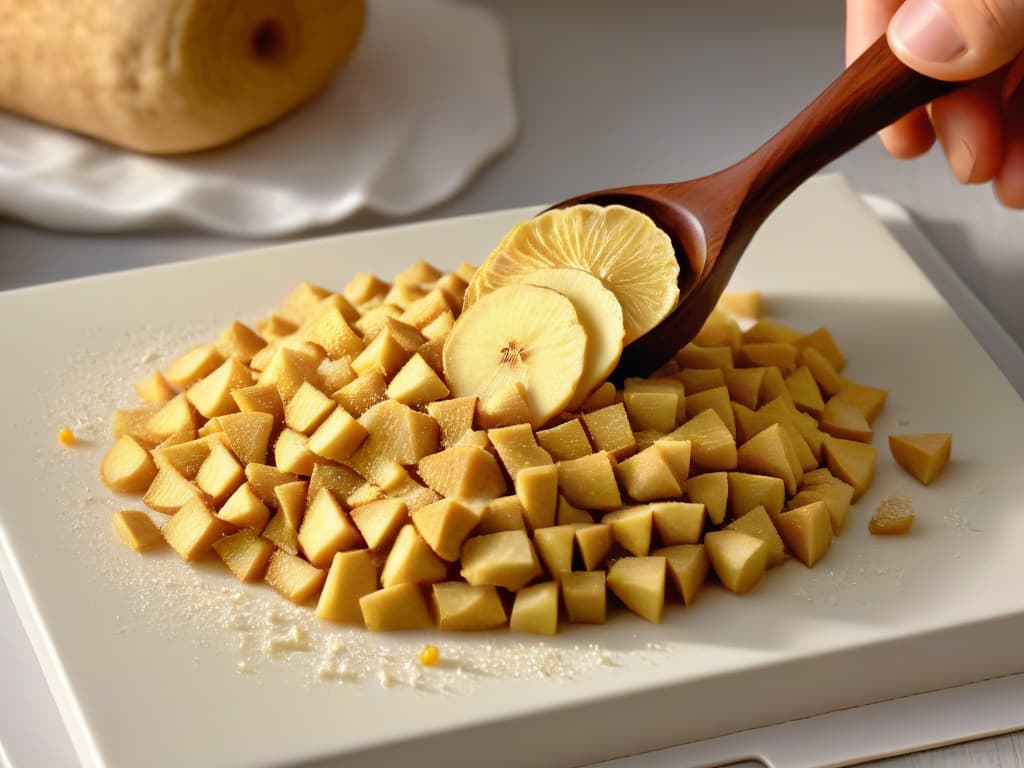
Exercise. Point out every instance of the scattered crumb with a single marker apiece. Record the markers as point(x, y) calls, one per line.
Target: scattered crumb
point(894, 516)
point(66, 436)
point(429, 655)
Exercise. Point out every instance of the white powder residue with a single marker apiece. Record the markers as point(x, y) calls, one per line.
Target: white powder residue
point(836, 585)
point(249, 624)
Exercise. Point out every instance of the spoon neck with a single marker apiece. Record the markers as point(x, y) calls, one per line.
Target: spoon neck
point(869, 95)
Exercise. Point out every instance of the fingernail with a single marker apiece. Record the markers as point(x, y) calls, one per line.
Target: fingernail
point(961, 160)
point(926, 31)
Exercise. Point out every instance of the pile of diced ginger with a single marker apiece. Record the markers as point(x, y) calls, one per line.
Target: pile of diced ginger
point(322, 453)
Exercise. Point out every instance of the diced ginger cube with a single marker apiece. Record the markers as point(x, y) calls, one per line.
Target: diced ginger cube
point(693, 356)
point(744, 385)
point(822, 340)
point(292, 454)
point(653, 403)
point(807, 531)
point(828, 379)
point(439, 328)
point(330, 331)
point(678, 522)
point(609, 430)
point(923, 455)
point(169, 491)
point(248, 434)
point(339, 480)
point(301, 301)
point(264, 479)
point(293, 578)
point(746, 304)
point(517, 448)
point(136, 529)
point(396, 608)
point(507, 406)
point(589, 482)
point(774, 385)
point(717, 400)
point(240, 342)
point(416, 383)
point(711, 490)
point(768, 330)
point(432, 353)
point(291, 501)
point(712, 443)
point(244, 509)
point(412, 560)
point(335, 374)
point(282, 533)
point(555, 548)
point(700, 379)
point(801, 429)
point(537, 490)
point(747, 491)
point(851, 462)
point(174, 416)
point(384, 355)
point(220, 474)
point(245, 553)
point(375, 319)
point(769, 452)
point(647, 476)
point(568, 440)
point(444, 525)
point(894, 516)
point(566, 513)
point(288, 370)
point(804, 391)
point(362, 393)
point(639, 582)
point(261, 398)
point(396, 433)
point(211, 395)
point(687, 566)
point(535, 609)
point(842, 419)
point(134, 421)
point(326, 528)
point(274, 327)
point(127, 467)
point(465, 472)
point(594, 541)
point(154, 388)
point(600, 398)
point(632, 528)
point(462, 607)
point(502, 514)
point(192, 530)
point(424, 310)
point(757, 523)
point(363, 287)
point(868, 400)
point(505, 559)
point(307, 408)
point(351, 577)
point(338, 436)
point(585, 596)
point(836, 496)
point(454, 417)
point(768, 354)
point(194, 365)
point(719, 330)
point(380, 521)
point(738, 559)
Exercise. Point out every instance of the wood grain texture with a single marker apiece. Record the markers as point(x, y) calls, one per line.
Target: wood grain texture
point(712, 219)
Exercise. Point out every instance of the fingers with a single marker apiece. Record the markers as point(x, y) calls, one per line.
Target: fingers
point(866, 21)
point(957, 39)
point(969, 124)
point(1009, 181)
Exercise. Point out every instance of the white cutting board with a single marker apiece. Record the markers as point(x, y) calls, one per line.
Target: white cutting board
point(153, 662)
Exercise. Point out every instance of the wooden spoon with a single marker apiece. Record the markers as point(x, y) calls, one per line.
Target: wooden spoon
point(711, 220)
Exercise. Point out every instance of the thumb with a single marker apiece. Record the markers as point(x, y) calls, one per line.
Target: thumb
point(957, 39)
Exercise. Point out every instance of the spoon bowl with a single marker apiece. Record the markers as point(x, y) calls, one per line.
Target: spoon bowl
point(712, 219)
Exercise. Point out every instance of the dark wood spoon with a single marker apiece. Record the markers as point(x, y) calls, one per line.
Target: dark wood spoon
point(711, 220)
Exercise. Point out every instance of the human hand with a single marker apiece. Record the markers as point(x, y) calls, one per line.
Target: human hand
point(980, 126)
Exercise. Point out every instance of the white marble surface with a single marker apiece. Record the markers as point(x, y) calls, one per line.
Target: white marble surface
point(610, 92)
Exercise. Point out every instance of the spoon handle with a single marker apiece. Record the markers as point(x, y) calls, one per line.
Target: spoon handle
point(870, 94)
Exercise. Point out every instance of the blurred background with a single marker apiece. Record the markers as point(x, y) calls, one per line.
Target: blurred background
point(609, 92)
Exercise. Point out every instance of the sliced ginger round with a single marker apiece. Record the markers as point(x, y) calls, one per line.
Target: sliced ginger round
point(518, 335)
point(623, 247)
point(601, 316)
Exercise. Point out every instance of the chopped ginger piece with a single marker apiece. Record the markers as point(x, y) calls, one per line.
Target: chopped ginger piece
point(923, 455)
point(894, 516)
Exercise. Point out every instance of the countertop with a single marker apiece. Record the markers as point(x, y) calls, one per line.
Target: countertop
point(611, 93)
